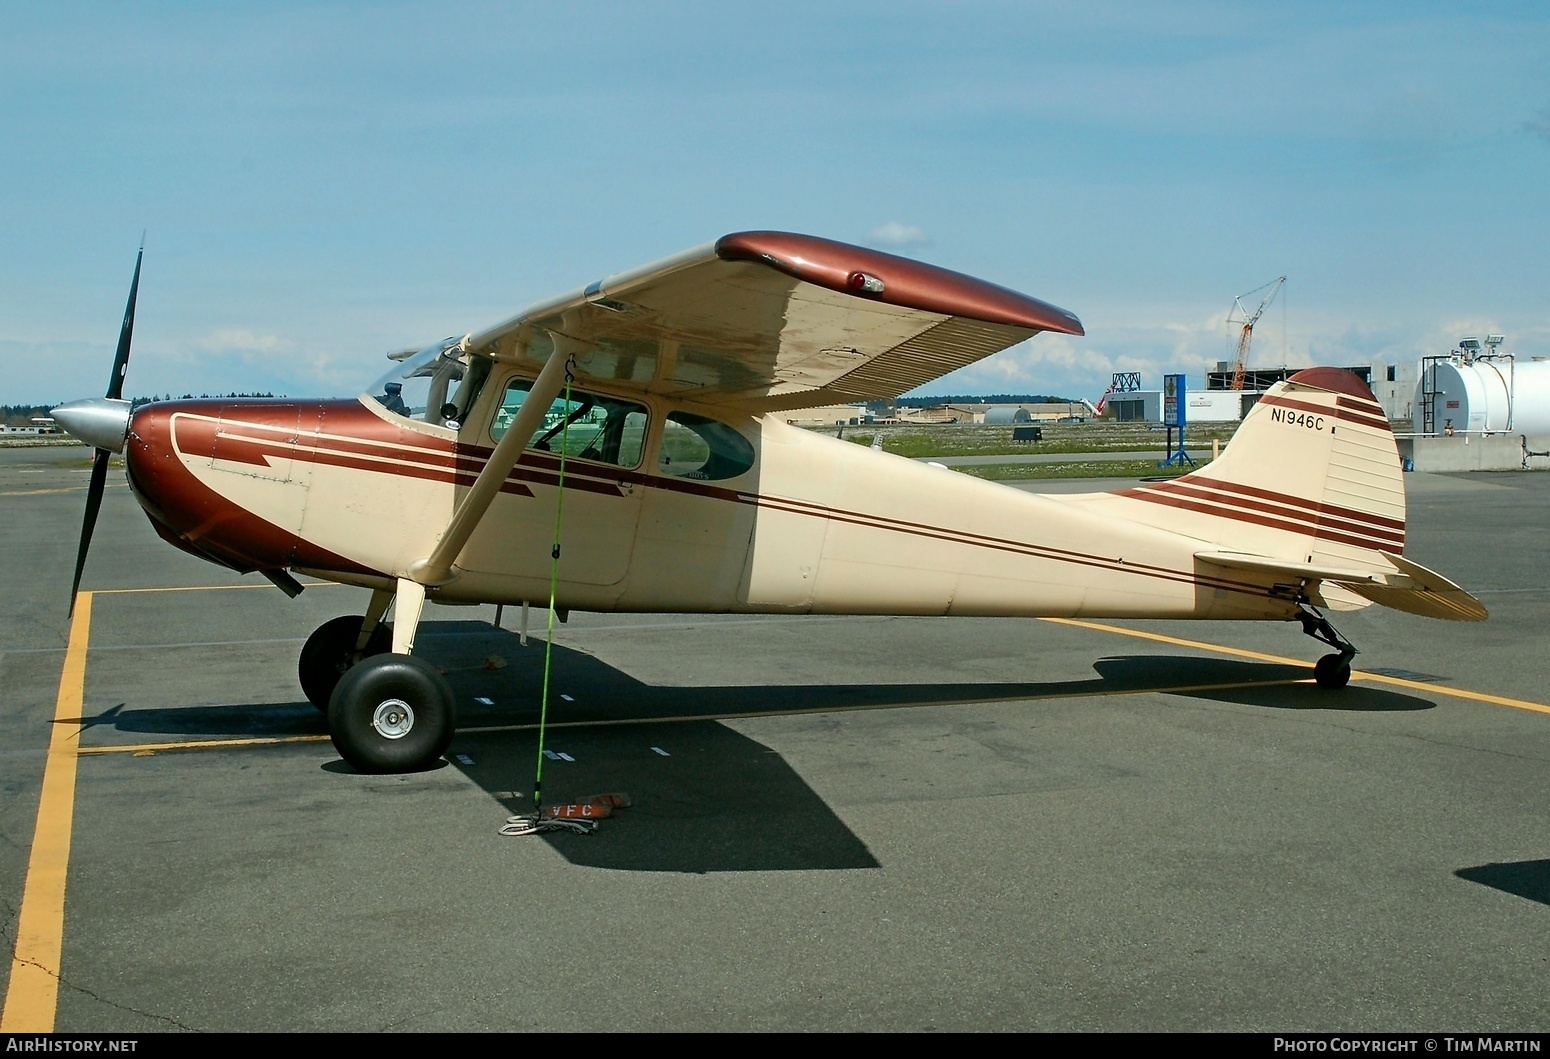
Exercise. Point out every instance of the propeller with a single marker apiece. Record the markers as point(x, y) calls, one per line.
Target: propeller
point(103, 423)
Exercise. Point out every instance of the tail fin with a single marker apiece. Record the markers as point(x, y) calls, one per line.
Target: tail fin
point(1312, 475)
point(1310, 487)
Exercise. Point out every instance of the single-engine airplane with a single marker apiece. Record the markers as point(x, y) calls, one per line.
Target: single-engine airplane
point(657, 395)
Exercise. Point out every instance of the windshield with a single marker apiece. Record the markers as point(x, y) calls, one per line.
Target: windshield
point(437, 385)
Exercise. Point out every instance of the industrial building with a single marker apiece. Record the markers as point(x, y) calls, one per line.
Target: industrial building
point(830, 415)
point(1393, 384)
point(1475, 407)
point(944, 414)
point(1205, 406)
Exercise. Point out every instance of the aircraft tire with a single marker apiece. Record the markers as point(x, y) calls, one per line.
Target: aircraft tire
point(330, 652)
point(1332, 672)
point(392, 713)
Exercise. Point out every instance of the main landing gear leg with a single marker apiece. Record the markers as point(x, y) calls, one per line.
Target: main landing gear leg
point(394, 712)
point(1331, 671)
point(406, 619)
point(381, 599)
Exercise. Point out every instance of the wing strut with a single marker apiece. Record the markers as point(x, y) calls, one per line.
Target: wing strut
point(437, 568)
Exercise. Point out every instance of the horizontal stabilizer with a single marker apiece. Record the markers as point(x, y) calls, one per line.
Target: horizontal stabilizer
point(1295, 571)
point(1322, 580)
point(1421, 591)
point(1408, 586)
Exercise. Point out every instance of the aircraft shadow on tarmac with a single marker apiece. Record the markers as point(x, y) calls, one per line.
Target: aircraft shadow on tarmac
point(706, 798)
point(1524, 878)
point(498, 683)
point(1248, 683)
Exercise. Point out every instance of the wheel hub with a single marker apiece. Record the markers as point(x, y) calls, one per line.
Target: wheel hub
point(393, 718)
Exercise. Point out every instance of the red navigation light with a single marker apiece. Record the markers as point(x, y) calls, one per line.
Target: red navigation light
point(863, 282)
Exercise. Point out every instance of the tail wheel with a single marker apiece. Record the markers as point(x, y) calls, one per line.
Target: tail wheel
point(1332, 671)
point(330, 652)
point(392, 713)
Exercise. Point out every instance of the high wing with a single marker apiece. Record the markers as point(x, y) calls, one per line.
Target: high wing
point(773, 320)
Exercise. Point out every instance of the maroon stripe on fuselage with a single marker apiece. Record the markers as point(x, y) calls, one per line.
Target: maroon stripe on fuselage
point(441, 464)
point(1285, 499)
point(380, 447)
point(1306, 528)
point(203, 520)
point(802, 507)
point(1358, 404)
point(1228, 505)
point(1034, 551)
point(1315, 521)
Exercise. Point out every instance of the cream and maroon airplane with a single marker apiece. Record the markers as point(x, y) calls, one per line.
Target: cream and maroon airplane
point(686, 491)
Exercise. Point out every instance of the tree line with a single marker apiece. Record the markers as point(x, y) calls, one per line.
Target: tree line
point(993, 398)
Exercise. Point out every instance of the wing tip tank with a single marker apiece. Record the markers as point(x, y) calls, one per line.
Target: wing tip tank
point(1338, 380)
point(904, 281)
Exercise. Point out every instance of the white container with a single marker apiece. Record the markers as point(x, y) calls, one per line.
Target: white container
point(1490, 394)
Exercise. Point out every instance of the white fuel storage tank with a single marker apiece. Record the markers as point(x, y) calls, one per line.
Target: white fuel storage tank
point(1490, 394)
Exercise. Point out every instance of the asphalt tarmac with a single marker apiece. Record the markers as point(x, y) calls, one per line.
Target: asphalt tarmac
point(837, 823)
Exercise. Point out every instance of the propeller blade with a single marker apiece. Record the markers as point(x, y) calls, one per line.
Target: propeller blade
point(121, 358)
point(99, 463)
point(99, 482)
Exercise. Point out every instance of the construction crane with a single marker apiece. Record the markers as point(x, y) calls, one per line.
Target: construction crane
point(1241, 314)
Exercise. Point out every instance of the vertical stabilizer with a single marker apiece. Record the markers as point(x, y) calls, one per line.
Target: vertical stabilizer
point(1311, 476)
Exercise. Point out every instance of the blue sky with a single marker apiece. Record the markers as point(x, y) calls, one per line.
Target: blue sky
point(323, 183)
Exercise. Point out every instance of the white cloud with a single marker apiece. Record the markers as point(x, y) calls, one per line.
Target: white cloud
point(1080, 367)
point(238, 359)
point(899, 235)
point(241, 340)
point(1071, 366)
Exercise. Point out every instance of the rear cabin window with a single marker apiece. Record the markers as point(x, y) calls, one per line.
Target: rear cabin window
point(589, 426)
point(696, 447)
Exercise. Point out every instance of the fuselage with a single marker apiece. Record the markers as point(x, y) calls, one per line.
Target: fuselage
point(350, 491)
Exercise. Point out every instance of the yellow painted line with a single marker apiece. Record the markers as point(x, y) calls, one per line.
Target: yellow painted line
point(1175, 641)
point(1458, 693)
point(200, 744)
point(1375, 678)
point(60, 489)
point(205, 588)
point(33, 995)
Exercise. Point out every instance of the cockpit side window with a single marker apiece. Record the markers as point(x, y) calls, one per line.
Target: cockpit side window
point(706, 449)
point(437, 385)
point(590, 426)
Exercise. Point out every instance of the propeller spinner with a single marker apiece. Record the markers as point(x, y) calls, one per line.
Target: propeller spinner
point(102, 422)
